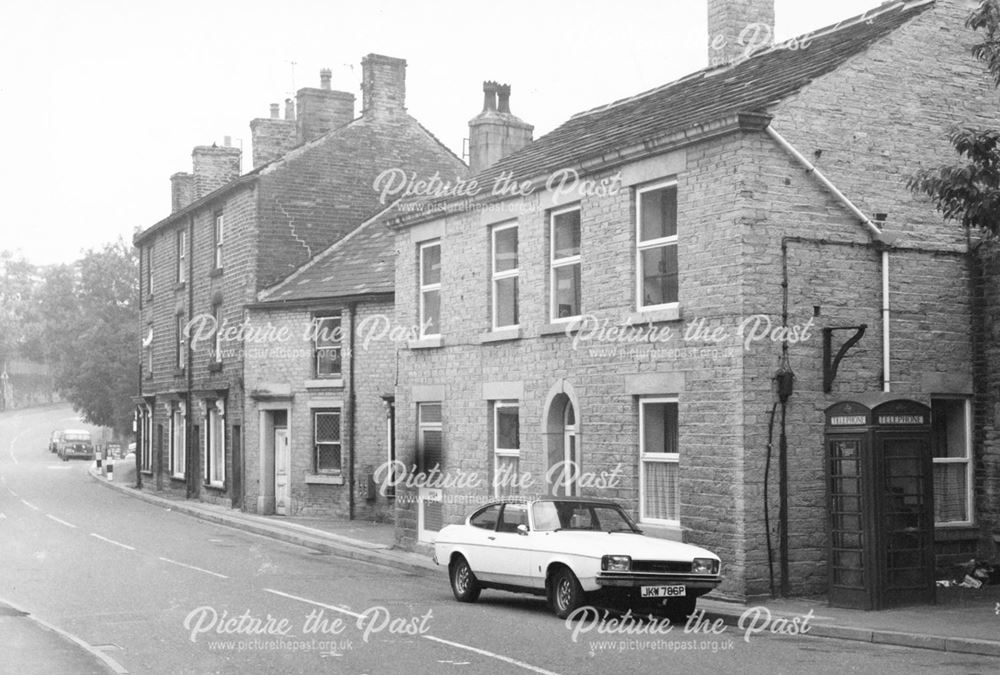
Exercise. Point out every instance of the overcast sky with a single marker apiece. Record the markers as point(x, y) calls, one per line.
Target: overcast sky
point(102, 100)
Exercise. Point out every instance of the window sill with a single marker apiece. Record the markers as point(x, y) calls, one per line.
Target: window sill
point(567, 327)
point(180, 285)
point(149, 375)
point(178, 479)
point(215, 366)
point(218, 487)
point(325, 383)
point(149, 297)
point(147, 472)
point(661, 531)
point(432, 342)
point(216, 272)
point(179, 372)
point(655, 315)
point(955, 532)
point(500, 335)
point(321, 479)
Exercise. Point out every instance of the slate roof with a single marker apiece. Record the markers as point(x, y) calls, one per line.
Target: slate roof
point(362, 263)
point(750, 85)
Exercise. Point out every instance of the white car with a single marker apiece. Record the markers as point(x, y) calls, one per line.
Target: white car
point(574, 551)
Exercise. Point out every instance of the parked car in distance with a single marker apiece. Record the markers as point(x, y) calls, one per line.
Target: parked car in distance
point(54, 440)
point(575, 551)
point(75, 443)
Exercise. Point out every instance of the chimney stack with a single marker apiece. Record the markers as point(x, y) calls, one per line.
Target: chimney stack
point(736, 27)
point(181, 191)
point(272, 136)
point(213, 168)
point(322, 110)
point(383, 86)
point(495, 132)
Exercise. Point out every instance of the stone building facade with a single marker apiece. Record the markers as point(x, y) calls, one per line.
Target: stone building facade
point(230, 236)
point(644, 295)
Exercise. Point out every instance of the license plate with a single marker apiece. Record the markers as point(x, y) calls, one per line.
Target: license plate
point(662, 592)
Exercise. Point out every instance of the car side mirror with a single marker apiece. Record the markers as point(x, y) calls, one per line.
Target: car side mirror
point(522, 530)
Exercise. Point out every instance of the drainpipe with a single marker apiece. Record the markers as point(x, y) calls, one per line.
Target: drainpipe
point(351, 409)
point(877, 235)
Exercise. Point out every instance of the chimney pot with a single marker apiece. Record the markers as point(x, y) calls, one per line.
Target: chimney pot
point(227, 141)
point(275, 111)
point(289, 110)
point(503, 98)
point(325, 76)
point(489, 96)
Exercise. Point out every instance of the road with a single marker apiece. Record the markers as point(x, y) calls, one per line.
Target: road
point(156, 591)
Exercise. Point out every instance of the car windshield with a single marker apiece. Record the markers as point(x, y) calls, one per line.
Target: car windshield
point(569, 515)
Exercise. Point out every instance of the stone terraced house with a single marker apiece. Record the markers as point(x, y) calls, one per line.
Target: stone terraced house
point(230, 236)
point(718, 302)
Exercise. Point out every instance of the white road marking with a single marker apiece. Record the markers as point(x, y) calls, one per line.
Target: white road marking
point(192, 567)
point(61, 522)
point(13, 493)
point(318, 604)
point(112, 541)
point(499, 657)
point(483, 652)
point(111, 663)
point(30, 505)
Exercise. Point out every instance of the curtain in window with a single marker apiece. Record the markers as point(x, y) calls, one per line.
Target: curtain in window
point(660, 491)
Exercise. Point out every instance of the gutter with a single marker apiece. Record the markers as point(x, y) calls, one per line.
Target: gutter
point(880, 238)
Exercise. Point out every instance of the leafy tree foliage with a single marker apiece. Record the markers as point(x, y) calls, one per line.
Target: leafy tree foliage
point(969, 191)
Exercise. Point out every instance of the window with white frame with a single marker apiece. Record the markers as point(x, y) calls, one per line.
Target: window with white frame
point(147, 268)
point(656, 245)
point(147, 345)
point(218, 233)
point(659, 494)
point(327, 345)
point(506, 448)
point(216, 354)
point(214, 449)
point(430, 440)
point(182, 251)
point(564, 238)
point(505, 274)
point(430, 288)
point(951, 440)
point(181, 343)
point(178, 443)
point(327, 455)
point(146, 429)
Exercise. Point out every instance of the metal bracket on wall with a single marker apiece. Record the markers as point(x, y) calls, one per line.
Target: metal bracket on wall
point(830, 362)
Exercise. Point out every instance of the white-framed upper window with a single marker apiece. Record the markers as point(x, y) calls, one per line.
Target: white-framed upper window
point(178, 440)
point(430, 288)
point(327, 447)
point(327, 346)
point(216, 354)
point(659, 462)
point(218, 234)
point(182, 251)
point(147, 268)
point(181, 342)
point(214, 448)
point(564, 261)
point(505, 274)
point(951, 440)
point(506, 448)
point(656, 246)
point(430, 437)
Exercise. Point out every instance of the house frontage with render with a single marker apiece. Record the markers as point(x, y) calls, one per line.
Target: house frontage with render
point(718, 303)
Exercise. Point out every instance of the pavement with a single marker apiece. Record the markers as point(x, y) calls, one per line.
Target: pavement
point(963, 620)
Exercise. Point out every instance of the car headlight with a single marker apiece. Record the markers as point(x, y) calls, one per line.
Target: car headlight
point(616, 563)
point(705, 566)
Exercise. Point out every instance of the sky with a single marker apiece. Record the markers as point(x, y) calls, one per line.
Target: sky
point(101, 101)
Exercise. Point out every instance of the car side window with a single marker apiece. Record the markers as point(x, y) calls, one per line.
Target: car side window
point(513, 515)
point(487, 518)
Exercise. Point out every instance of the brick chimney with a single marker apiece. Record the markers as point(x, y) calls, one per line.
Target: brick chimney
point(181, 191)
point(272, 136)
point(322, 110)
point(383, 86)
point(495, 132)
point(213, 168)
point(736, 27)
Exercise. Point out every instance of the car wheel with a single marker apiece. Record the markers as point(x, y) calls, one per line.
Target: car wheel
point(464, 584)
point(678, 609)
point(566, 593)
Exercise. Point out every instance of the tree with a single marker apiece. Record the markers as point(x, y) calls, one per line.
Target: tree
point(18, 278)
point(970, 190)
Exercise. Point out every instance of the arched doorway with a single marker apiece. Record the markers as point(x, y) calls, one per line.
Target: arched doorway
point(562, 441)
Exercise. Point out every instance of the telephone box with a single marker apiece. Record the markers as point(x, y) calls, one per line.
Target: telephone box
point(880, 493)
